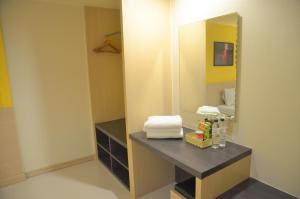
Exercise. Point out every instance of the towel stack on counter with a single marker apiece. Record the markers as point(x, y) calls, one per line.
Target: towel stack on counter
point(208, 110)
point(162, 127)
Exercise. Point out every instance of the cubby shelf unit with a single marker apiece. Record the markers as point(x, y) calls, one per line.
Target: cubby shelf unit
point(112, 148)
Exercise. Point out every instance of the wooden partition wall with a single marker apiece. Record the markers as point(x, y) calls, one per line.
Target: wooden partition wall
point(146, 40)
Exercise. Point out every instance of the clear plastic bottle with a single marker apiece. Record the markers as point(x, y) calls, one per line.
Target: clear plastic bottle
point(222, 133)
point(215, 135)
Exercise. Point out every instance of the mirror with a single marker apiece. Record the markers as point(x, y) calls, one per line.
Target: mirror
point(207, 53)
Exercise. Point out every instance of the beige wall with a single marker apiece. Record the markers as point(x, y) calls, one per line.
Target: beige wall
point(10, 158)
point(105, 69)
point(115, 4)
point(146, 35)
point(268, 82)
point(46, 53)
point(147, 60)
point(192, 76)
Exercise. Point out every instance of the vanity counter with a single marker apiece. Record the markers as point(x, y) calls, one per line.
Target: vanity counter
point(198, 162)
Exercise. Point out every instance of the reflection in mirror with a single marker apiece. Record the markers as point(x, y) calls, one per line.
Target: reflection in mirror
point(208, 66)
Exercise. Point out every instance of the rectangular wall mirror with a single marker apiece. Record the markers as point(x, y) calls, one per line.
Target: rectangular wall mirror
point(208, 57)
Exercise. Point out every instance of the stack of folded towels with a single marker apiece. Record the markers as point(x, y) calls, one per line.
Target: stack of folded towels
point(161, 127)
point(208, 111)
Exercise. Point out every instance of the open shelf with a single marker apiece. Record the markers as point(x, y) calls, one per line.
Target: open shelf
point(121, 172)
point(104, 157)
point(102, 139)
point(119, 152)
point(112, 149)
point(187, 188)
point(250, 188)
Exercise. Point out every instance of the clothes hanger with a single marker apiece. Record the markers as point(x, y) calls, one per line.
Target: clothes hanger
point(107, 46)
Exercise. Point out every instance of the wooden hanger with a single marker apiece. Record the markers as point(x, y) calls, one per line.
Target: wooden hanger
point(106, 47)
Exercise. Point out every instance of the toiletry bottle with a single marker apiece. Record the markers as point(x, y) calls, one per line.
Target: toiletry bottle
point(209, 123)
point(215, 135)
point(222, 133)
point(206, 131)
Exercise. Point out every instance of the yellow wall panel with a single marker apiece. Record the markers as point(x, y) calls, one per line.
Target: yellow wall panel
point(5, 95)
point(220, 33)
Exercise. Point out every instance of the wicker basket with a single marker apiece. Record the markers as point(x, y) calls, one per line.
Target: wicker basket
point(194, 140)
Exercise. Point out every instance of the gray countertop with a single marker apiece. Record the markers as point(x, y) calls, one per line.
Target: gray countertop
point(196, 161)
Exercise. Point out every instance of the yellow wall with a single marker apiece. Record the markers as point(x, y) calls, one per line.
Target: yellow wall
point(220, 33)
point(268, 82)
point(5, 96)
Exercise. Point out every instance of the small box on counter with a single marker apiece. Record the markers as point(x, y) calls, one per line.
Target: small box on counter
point(192, 138)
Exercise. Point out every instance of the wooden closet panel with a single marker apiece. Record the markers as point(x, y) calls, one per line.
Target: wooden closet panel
point(105, 69)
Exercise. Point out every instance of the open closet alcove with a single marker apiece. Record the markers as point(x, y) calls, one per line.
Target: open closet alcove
point(103, 36)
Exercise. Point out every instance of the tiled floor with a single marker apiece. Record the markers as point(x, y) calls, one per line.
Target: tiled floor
point(90, 180)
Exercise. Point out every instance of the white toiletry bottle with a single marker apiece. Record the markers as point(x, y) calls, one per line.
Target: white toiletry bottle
point(215, 135)
point(222, 133)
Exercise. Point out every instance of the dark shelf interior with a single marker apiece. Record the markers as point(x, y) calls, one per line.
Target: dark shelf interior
point(112, 149)
point(102, 139)
point(187, 188)
point(119, 152)
point(115, 129)
point(121, 172)
point(181, 175)
point(104, 157)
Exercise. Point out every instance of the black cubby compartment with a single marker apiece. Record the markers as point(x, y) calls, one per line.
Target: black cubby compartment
point(187, 188)
point(185, 183)
point(119, 152)
point(113, 155)
point(121, 172)
point(104, 157)
point(102, 139)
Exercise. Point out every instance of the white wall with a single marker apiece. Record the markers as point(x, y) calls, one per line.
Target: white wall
point(268, 81)
point(46, 52)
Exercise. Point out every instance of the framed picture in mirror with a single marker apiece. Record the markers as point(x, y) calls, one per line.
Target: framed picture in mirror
point(223, 54)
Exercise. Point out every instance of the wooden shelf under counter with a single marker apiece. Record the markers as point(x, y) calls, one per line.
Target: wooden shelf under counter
point(215, 170)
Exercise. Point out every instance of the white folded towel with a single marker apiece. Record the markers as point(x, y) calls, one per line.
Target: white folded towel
point(208, 110)
point(163, 122)
point(163, 134)
point(158, 131)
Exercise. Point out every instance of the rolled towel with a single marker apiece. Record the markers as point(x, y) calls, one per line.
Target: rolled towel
point(163, 122)
point(163, 134)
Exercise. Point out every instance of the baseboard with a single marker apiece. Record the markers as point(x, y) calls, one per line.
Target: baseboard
point(12, 180)
point(59, 166)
